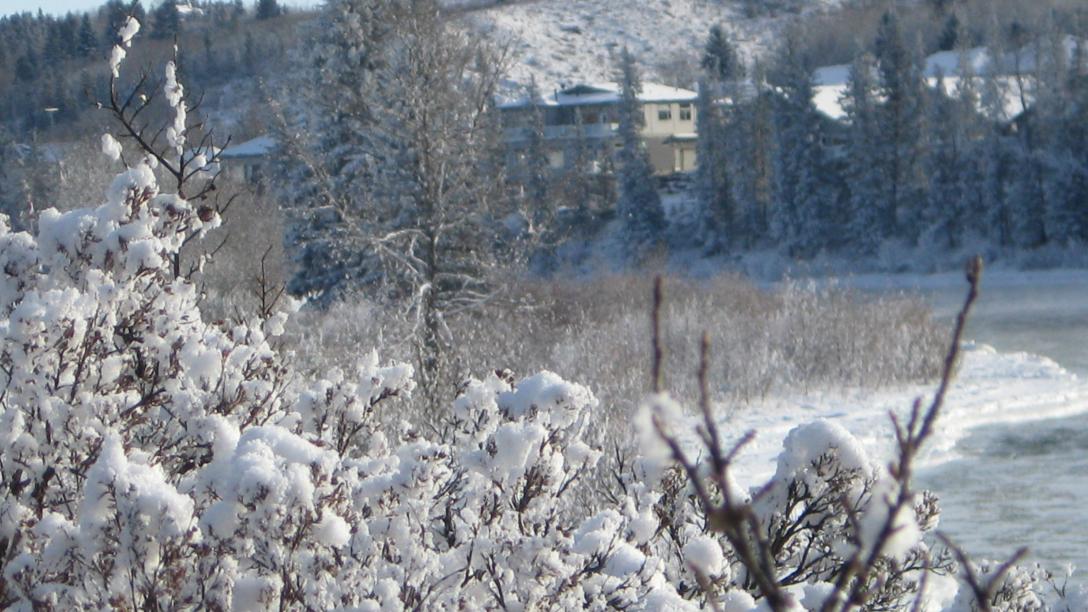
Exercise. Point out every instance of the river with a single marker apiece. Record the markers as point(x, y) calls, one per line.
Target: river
point(1024, 484)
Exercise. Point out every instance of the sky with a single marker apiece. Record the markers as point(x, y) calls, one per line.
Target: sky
point(60, 7)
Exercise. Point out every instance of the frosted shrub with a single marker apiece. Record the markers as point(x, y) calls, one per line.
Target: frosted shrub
point(150, 459)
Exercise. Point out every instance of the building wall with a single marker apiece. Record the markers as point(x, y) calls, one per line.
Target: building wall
point(666, 119)
point(662, 120)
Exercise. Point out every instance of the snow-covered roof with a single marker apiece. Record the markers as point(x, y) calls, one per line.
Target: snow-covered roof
point(586, 94)
point(256, 147)
point(683, 137)
point(830, 82)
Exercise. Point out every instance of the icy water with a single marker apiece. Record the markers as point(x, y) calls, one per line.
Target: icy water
point(1024, 484)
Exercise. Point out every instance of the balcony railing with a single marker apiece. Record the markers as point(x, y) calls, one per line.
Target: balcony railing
point(592, 131)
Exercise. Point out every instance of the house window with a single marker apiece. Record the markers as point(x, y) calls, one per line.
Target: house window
point(664, 113)
point(685, 112)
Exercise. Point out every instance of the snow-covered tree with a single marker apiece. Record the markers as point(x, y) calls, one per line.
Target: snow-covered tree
point(638, 204)
point(869, 212)
point(955, 163)
point(753, 157)
point(720, 61)
point(901, 113)
point(153, 458)
point(712, 175)
point(536, 171)
point(800, 220)
point(325, 131)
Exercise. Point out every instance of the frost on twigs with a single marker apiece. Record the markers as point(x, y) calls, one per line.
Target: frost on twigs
point(832, 530)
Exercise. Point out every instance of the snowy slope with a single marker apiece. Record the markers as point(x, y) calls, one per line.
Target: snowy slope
point(567, 41)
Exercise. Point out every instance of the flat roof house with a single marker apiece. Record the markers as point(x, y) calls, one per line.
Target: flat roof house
point(668, 131)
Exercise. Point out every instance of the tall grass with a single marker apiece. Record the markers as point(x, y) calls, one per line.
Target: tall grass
point(764, 341)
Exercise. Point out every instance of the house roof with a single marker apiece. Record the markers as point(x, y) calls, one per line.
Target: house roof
point(256, 147)
point(587, 94)
point(830, 83)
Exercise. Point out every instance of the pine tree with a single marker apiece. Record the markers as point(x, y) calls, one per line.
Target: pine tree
point(951, 34)
point(577, 188)
point(902, 122)
point(1060, 114)
point(944, 212)
point(535, 170)
point(323, 175)
point(88, 41)
point(720, 60)
point(801, 216)
point(868, 210)
point(752, 158)
point(26, 67)
point(267, 9)
point(714, 187)
point(166, 22)
point(638, 204)
point(398, 189)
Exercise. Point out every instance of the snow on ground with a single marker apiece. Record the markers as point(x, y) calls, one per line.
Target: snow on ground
point(991, 388)
point(830, 82)
point(562, 42)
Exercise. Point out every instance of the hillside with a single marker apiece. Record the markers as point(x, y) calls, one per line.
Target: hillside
point(566, 41)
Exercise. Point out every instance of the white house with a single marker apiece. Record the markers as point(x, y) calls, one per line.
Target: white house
point(248, 161)
point(668, 132)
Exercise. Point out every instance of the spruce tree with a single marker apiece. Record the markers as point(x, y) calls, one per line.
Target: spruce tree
point(901, 155)
point(26, 67)
point(868, 209)
point(638, 205)
point(801, 216)
point(322, 176)
point(166, 22)
point(267, 9)
point(714, 188)
point(88, 41)
point(720, 60)
point(535, 167)
point(752, 157)
point(944, 213)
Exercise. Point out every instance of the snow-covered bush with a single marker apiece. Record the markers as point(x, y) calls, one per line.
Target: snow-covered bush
point(153, 459)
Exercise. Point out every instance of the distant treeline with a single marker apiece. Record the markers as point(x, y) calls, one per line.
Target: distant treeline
point(52, 67)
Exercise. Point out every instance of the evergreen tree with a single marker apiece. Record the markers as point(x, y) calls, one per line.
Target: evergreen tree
point(996, 149)
point(868, 210)
point(267, 9)
point(115, 14)
point(712, 174)
point(88, 41)
point(1059, 114)
point(26, 67)
point(800, 216)
point(250, 54)
point(638, 204)
point(166, 22)
point(901, 155)
point(1028, 189)
point(720, 60)
point(578, 185)
point(397, 189)
point(535, 170)
point(945, 211)
point(951, 34)
point(753, 161)
point(323, 176)
point(237, 13)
